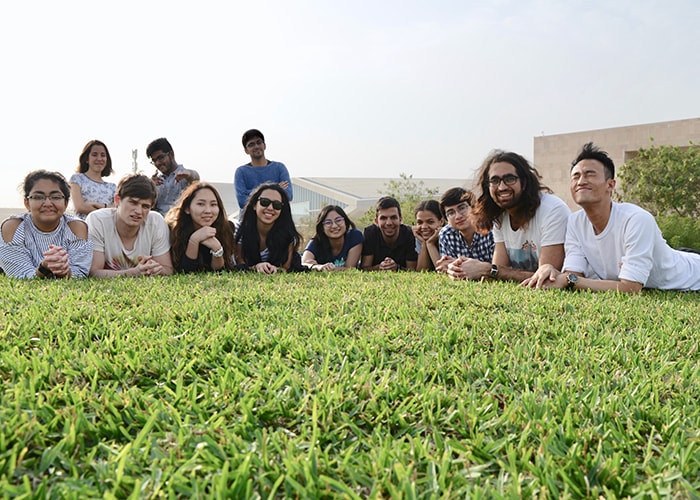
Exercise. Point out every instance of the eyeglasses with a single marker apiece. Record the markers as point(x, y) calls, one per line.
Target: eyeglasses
point(461, 210)
point(159, 158)
point(252, 144)
point(337, 221)
point(43, 197)
point(509, 180)
point(266, 202)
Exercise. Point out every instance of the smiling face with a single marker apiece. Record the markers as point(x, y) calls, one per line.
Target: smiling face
point(427, 223)
point(504, 195)
point(268, 215)
point(97, 159)
point(204, 209)
point(164, 161)
point(334, 225)
point(255, 148)
point(389, 222)
point(46, 214)
point(589, 185)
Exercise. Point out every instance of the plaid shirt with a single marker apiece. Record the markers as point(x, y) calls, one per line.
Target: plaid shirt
point(452, 243)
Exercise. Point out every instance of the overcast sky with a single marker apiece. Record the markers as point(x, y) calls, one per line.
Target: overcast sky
point(362, 88)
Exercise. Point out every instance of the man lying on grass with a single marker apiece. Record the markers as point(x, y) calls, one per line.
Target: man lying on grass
point(130, 239)
point(614, 246)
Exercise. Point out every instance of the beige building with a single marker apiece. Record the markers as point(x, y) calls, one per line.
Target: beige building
point(554, 153)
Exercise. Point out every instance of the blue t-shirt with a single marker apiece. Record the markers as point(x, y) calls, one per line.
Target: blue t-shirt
point(248, 177)
point(352, 238)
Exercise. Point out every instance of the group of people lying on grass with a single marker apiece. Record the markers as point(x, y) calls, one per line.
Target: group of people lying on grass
point(513, 229)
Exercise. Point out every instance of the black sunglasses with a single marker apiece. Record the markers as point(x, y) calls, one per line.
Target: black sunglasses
point(265, 202)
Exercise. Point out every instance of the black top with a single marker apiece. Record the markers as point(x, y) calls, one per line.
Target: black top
point(403, 251)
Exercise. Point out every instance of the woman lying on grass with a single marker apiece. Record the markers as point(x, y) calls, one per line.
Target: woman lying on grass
point(429, 221)
point(267, 240)
point(200, 233)
point(337, 244)
point(44, 242)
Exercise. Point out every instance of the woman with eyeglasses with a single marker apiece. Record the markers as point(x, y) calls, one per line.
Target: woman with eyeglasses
point(44, 242)
point(89, 189)
point(426, 230)
point(201, 235)
point(337, 244)
point(267, 240)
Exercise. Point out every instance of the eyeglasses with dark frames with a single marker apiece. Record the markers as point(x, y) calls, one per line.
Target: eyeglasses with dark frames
point(509, 180)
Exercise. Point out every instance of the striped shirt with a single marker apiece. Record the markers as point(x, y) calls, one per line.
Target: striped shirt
point(21, 257)
point(452, 243)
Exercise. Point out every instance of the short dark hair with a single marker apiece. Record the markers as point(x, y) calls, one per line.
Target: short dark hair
point(37, 175)
point(386, 202)
point(137, 186)
point(252, 134)
point(83, 164)
point(161, 144)
point(455, 196)
point(429, 206)
point(589, 151)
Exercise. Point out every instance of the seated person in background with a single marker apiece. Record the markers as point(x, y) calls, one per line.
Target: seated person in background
point(44, 242)
point(459, 237)
point(389, 245)
point(171, 179)
point(529, 223)
point(200, 233)
point(88, 188)
point(259, 169)
point(614, 246)
point(130, 239)
point(337, 244)
point(429, 221)
point(267, 239)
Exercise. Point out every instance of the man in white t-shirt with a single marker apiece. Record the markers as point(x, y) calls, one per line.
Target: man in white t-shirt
point(130, 239)
point(529, 223)
point(614, 246)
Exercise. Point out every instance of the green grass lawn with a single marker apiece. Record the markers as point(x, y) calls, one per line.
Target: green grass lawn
point(350, 385)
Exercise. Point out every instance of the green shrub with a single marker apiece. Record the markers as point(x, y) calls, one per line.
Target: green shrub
point(680, 231)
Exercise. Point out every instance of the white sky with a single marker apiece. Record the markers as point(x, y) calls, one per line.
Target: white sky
point(361, 88)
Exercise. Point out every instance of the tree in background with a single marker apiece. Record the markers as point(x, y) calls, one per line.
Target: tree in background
point(408, 191)
point(665, 180)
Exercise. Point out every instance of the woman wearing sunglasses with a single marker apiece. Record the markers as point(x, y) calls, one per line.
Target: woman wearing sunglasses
point(44, 242)
point(267, 240)
point(337, 244)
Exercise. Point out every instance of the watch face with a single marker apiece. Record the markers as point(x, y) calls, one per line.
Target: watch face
point(571, 280)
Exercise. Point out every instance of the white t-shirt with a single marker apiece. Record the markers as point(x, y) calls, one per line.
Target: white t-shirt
point(630, 247)
point(153, 238)
point(547, 227)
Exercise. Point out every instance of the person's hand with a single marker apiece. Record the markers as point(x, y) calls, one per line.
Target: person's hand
point(187, 175)
point(328, 266)
point(96, 206)
point(417, 234)
point(465, 268)
point(265, 268)
point(149, 267)
point(284, 184)
point(442, 263)
point(388, 264)
point(157, 179)
point(203, 235)
point(56, 259)
point(434, 238)
point(545, 277)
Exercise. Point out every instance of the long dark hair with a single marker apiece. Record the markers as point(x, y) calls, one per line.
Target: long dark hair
point(84, 165)
point(485, 213)
point(182, 226)
point(320, 237)
point(282, 233)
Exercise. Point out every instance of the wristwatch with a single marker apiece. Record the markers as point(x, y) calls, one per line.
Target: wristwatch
point(45, 271)
point(571, 280)
point(218, 253)
point(494, 271)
